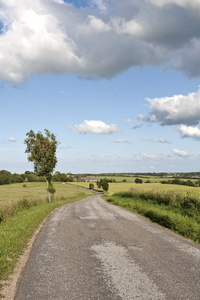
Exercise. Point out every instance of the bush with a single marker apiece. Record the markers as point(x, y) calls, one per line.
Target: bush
point(138, 180)
point(104, 184)
point(91, 186)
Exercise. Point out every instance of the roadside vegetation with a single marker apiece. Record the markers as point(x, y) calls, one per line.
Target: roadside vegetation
point(176, 210)
point(23, 207)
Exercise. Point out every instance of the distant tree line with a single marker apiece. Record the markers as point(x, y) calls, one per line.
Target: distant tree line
point(7, 177)
point(181, 182)
point(62, 177)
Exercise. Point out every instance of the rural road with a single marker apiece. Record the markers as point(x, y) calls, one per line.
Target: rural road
point(91, 249)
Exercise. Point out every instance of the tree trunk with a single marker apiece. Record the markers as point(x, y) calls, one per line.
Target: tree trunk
point(48, 193)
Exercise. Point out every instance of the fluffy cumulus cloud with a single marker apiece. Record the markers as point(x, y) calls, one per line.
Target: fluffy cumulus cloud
point(57, 36)
point(190, 131)
point(179, 109)
point(96, 127)
point(181, 153)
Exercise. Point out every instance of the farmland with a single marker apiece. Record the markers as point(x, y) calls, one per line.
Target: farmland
point(155, 184)
point(32, 190)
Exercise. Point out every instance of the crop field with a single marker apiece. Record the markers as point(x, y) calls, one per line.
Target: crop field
point(145, 187)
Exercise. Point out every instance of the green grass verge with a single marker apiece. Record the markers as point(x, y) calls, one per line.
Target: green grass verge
point(167, 216)
point(16, 231)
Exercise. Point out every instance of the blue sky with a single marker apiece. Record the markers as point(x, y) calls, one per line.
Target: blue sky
point(120, 92)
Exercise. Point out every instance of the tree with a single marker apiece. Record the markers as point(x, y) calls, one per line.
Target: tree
point(98, 183)
point(91, 186)
point(138, 180)
point(41, 151)
point(5, 177)
point(104, 184)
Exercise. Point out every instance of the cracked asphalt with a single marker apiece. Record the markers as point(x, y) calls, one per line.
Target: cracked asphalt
point(91, 249)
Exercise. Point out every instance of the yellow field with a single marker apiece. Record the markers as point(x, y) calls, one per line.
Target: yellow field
point(126, 186)
point(130, 178)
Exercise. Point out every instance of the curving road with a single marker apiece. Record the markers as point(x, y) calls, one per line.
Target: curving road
point(91, 249)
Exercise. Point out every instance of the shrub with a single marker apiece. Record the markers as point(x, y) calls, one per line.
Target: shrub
point(91, 186)
point(138, 180)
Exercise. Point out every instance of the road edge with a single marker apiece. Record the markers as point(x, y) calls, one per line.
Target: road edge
point(9, 288)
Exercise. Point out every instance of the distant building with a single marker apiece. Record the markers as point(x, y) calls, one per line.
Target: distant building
point(90, 179)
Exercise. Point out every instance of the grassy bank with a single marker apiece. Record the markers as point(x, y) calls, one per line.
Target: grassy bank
point(25, 214)
point(176, 211)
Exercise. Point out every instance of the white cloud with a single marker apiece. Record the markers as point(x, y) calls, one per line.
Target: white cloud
point(163, 141)
point(148, 156)
point(126, 141)
point(155, 157)
point(12, 139)
point(96, 127)
point(100, 4)
point(56, 37)
point(178, 109)
point(190, 131)
point(182, 3)
point(128, 120)
point(181, 153)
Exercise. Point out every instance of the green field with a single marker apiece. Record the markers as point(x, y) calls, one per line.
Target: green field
point(31, 190)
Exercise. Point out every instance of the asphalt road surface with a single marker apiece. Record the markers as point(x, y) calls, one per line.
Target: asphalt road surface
point(91, 249)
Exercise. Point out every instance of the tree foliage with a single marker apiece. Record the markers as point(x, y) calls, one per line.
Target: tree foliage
point(138, 180)
point(41, 150)
point(104, 184)
point(91, 186)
